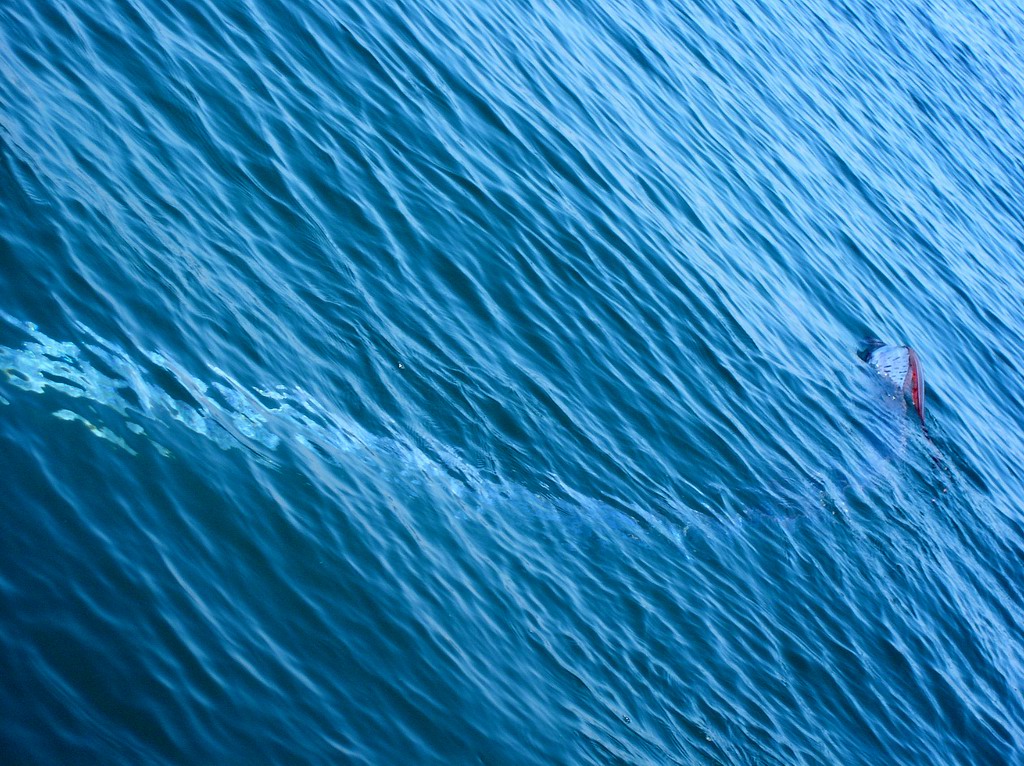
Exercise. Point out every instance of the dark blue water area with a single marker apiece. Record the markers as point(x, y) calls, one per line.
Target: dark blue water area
point(478, 383)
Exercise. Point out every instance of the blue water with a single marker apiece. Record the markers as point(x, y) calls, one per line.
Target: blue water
point(424, 383)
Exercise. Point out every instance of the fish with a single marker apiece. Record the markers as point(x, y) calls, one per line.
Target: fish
point(130, 400)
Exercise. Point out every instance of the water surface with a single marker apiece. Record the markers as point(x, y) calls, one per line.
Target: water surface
point(444, 384)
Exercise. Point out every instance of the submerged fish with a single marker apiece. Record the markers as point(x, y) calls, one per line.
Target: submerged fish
point(144, 396)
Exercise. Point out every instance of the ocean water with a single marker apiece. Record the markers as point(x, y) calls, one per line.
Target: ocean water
point(477, 383)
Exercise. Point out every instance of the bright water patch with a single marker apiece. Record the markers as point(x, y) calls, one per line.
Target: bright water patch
point(233, 417)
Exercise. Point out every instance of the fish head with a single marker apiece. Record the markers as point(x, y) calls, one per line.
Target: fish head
point(899, 366)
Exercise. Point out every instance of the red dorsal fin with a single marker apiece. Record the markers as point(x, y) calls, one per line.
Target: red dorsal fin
point(915, 383)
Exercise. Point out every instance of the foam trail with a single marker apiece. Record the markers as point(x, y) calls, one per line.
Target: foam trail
point(262, 420)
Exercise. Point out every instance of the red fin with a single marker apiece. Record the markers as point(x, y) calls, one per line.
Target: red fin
point(915, 383)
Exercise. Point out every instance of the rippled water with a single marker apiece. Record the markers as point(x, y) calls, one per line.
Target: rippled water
point(417, 383)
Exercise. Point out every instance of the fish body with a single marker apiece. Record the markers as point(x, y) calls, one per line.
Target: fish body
point(900, 366)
